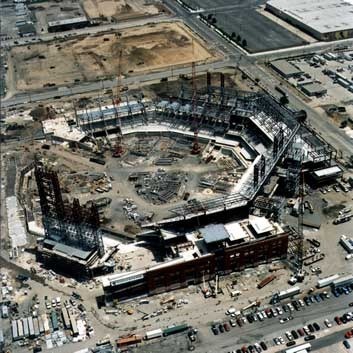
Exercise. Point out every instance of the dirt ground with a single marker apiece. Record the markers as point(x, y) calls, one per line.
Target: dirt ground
point(95, 57)
point(118, 9)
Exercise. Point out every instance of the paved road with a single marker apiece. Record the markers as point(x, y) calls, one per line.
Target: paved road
point(87, 30)
point(234, 57)
point(271, 328)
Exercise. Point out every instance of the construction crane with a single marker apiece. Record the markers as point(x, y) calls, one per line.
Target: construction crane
point(195, 146)
point(118, 149)
point(300, 273)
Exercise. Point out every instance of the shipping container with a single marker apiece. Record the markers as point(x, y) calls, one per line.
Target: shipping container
point(266, 281)
point(20, 329)
point(66, 319)
point(25, 327)
point(74, 328)
point(46, 324)
point(36, 327)
point(30, 326)
point(14, 330)
point(54, 321)
point(4, 311)
point(126, 341)
point(2, 340)
point(324, 282)
point(175, 329)
point(41, 326)
point(153, 334)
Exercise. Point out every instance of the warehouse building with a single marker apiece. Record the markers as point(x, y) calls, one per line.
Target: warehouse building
point(286, 69)
point(325, 20)
point(67, 24)
point(314, 89)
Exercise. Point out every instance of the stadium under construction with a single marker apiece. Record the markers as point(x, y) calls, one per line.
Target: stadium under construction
point(252, 129)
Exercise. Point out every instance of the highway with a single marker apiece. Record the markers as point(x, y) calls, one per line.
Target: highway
point(270, 328)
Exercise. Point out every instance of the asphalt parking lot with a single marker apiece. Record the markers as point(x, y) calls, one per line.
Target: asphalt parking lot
point(242, 18)
point(272, 330)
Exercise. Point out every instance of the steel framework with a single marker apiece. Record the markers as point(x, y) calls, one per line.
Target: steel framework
point(70, 224)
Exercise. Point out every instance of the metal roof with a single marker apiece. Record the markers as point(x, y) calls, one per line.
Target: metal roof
point(260, 224)
point(214, 233)
point(323, 16)
point(285, 67)
point(328, 171)
point(68, 250)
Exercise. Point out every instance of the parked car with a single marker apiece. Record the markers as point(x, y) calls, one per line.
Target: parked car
point(309, 338)
point(316, 326)
point(346, 344)
point(328, 323)
point(263, 346)
point(215, 330)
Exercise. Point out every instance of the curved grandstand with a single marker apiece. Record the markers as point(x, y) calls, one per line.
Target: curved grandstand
point(252, 128)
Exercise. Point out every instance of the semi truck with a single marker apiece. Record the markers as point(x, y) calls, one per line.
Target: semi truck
point(288, 293)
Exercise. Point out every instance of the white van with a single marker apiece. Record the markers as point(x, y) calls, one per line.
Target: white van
point(235, 293)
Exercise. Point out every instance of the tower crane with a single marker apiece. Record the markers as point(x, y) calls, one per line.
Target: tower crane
point(118, 149)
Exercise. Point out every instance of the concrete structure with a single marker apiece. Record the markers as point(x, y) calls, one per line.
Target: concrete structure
point(286, 69)
point(325, 20)
point(314, 89)
point(195, 257)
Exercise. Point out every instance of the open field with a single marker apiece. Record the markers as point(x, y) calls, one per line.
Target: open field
point(95, 57)
point(118, 9)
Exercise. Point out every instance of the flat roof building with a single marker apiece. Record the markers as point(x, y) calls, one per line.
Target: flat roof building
point(314, 89)
point(325, 20)
point(286, 69)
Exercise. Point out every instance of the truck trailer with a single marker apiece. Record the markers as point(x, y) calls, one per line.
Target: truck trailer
point(127, 341)
point(343, 281)
point(327, 281)
point(153, 334)
point(175, 329)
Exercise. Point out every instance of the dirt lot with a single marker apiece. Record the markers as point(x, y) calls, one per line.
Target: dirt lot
point(96, 57)
point(118, 9)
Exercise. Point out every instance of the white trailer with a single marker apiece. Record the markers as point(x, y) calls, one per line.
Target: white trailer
point(46, 324)
point(342, 281)
point(36, 326)
point(14, 330)
point(20, 328)
point(30, 326)
point(327, 281)
point(288, 293)
point(153, 334)
point(25, 327)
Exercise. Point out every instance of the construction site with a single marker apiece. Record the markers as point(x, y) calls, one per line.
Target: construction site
point(144, 187)
point(120, 9)
point(95, 57)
